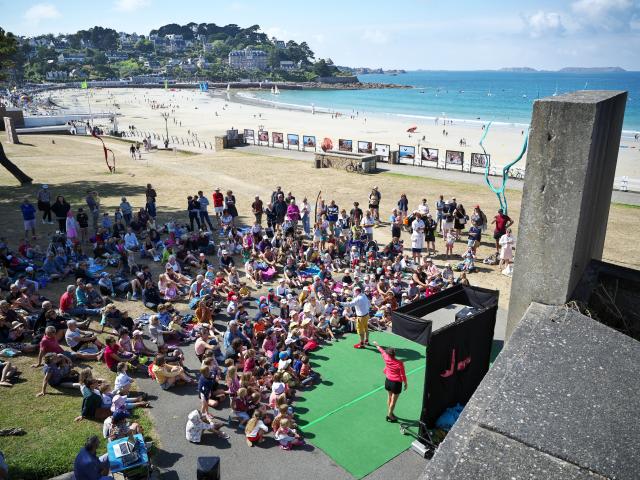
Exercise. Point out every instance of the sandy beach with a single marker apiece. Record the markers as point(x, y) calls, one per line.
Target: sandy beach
point(207, 114)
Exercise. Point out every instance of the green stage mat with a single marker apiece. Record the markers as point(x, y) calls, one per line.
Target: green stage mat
point(345, 415)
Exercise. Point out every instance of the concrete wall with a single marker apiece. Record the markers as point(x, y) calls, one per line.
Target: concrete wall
point(13, 113)
point(571, 163)
point(337, 80)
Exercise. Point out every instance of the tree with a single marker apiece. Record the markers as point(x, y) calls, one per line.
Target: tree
point(8, 50)
point(321, 68)
point(144, 46)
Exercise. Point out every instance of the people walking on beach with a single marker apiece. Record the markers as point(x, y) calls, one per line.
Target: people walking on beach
point(395, 378)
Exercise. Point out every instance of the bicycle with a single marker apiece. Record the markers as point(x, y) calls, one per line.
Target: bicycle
point(517, 173)
point(354, 167)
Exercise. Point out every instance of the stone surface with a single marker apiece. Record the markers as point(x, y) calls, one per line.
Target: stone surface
point(10, 128)
point(571, 162)
point(564, 394)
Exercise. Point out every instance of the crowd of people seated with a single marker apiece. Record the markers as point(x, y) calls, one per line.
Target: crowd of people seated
point(254, 300)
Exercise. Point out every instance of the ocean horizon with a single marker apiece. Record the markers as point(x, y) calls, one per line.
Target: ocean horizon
point(465, 96)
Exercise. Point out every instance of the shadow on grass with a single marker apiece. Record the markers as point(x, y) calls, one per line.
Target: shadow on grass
point(406, 354)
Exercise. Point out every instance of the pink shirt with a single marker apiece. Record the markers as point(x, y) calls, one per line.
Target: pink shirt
point(394, 368)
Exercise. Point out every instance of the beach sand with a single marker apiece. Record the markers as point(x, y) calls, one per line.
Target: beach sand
point(197, 113)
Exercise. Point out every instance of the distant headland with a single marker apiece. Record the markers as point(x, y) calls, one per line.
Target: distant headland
point(566, 70)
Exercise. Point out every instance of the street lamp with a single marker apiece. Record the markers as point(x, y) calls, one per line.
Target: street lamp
point(166, 126)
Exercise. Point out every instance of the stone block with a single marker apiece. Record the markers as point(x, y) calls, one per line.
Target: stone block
point(10, 128)
point(571, 163)
point(561, 401)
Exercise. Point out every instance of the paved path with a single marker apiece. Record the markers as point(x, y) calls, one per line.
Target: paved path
point(630, 198)
point(177, 457)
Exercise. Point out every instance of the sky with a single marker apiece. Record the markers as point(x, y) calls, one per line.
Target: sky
point(409, 34)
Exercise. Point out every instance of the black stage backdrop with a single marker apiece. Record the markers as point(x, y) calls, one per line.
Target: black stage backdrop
point(457, 355)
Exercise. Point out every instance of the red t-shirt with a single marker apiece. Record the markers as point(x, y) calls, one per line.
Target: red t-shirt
point(218, 199)
point(50, 345)
point(66, 302)
point(109, 351)
point(501, 222)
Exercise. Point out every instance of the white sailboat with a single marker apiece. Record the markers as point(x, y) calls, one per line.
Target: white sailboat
point(276, 91)
point(273, 92)
point(555, 94)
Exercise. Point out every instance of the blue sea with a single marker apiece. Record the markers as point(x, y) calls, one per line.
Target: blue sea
point(476, 96)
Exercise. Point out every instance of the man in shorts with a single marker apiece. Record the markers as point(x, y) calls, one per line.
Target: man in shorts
point(502, 222)
point(218, 203)
point(362, 306)
point(29, 218)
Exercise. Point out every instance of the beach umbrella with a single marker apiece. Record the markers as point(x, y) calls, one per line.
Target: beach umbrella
point(327, 144)
point(412, 129)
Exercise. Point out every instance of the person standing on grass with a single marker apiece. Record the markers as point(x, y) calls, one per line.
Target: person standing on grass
point(374, 203)
point(502, 223)
point(44, 203)
point(257, 208)
point(362, 307)
point(28, 217)
point(218, 203)
point(60, 209)
point(395, 378)
point(93, 202)
point(204, 212)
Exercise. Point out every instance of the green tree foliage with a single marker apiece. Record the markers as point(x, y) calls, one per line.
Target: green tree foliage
point(8, 51)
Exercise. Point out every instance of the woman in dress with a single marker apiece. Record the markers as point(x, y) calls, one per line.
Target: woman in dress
point(507, 242)
point(460, 219)
point(417, 237)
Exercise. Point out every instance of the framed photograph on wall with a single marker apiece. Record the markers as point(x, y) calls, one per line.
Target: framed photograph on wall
point(308, 141)
point(365, 147)
point(277, 137)
point(383, 150)
point(293, 139)
point(406, 154)
point(345, 145)
point(429, 155)
point(454, 157)
point(480, 160)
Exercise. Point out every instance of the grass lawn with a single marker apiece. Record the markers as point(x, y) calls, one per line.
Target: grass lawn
point(52, 438)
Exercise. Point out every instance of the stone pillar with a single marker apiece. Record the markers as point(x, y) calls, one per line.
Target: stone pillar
point(571, 163)
point(220, 143)
point(9, 126)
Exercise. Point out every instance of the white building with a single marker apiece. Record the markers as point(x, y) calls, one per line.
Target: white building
point(287, 65)
point(57, 76)
point(72, 58)
point(248, 59)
